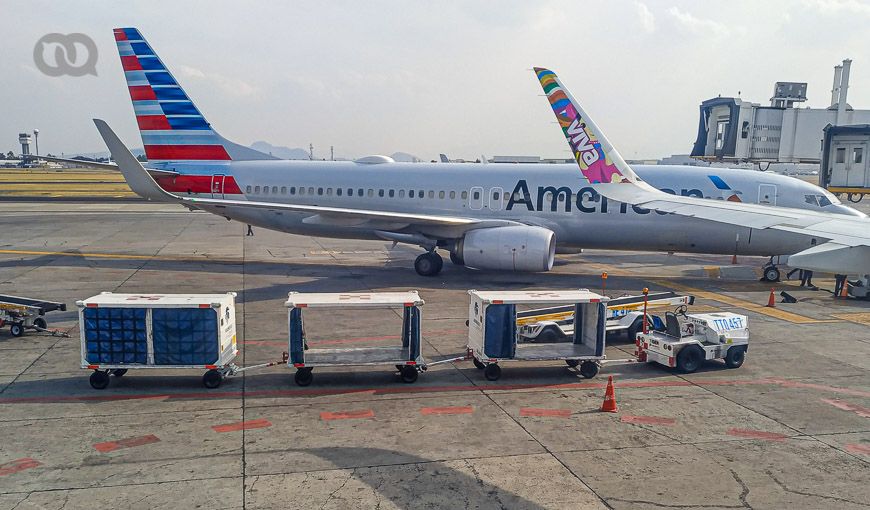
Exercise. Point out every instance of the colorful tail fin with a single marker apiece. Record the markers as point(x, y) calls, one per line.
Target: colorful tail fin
point(172, 128)
point(599, 161)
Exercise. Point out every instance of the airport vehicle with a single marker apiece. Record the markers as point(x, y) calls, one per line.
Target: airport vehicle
point(690, 339)
point(493, 336)
point(22, 313)
point(624, 313)
point(814, 240)
point(496, 217)
point(147, 331)
point(407, 357)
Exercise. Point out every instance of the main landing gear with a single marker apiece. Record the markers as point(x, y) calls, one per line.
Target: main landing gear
point(770, 273)
point(429, 264)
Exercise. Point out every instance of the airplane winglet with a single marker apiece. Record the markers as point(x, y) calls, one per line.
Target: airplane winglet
point(137, 177)
point(599, 162)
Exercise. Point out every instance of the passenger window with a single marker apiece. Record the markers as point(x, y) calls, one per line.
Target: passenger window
point(495, 195)
point(431, 194)
point(320, 191)
point(329, 192)
point(401, 193)
point(338, 191)
point(841, 155)
point(452, 195)
point(380, 192)
point(350, 192)
point(283, 190)
point(301, 190)
point(359, 192)
point(410, 193)
point(265, 190)
point(371, 192)
point(464, 195)
point(292, 190)
point(310, 190)
point(274, 190)
point(420, 194)
point(857, 155)
point(440, 194)
point(392, 193)
point(247, 189)
point(476, 195)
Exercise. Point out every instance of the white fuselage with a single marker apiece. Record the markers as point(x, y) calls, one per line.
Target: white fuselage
point(579, 217)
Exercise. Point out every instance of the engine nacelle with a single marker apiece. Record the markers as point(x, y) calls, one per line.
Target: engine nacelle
point(514, 248)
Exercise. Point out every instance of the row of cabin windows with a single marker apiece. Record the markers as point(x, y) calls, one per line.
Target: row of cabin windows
point(391, 193)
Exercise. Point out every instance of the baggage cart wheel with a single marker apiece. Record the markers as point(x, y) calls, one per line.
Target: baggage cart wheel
point(99, 380)
point(478, 364)
point(409, 374)
point(589, 369)
point(119, 372)
point(735, 357)
point(212, 379)
point(572, 362)
point(303, 377)
point(690, 359)
point(492, 372)
point(40, 323)
point(16, 329)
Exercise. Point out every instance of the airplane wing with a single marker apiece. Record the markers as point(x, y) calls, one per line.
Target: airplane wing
point(845, 245)
point(96, 164)
point(144, 185)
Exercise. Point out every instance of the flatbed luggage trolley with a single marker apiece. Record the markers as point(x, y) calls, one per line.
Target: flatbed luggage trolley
point(22, 313)
point(145, 331)
point(406, 357)
point(493, 338)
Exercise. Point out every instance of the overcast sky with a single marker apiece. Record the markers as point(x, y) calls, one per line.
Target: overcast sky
point(428, 77)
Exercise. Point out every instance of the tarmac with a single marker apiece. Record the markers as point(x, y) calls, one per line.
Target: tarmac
point(789, 429)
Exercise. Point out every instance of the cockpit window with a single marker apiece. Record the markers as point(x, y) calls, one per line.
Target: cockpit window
point(824, 201)
point(818, 200)
point(811, 199)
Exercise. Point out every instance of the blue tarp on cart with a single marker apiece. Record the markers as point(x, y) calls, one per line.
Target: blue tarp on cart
point(184, 336)
point(116, 335)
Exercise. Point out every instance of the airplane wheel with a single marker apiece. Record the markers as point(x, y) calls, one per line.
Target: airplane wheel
point(428, 264)
point(771, 274)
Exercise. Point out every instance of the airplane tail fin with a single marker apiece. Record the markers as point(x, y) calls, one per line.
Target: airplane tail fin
point(600, 163)
point(172, 127)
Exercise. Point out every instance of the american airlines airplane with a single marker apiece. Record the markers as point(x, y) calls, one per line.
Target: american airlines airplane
point(813, 240)
point(501, 217)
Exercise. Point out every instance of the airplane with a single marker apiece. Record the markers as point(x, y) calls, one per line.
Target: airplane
point(813, 240)
point(495, 217)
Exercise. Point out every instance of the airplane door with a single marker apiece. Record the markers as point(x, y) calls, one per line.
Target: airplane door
point(475, 198)
point(496, 199)
point(767, 194)
point(217, 186)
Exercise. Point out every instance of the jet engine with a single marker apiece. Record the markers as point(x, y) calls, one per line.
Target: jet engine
point(514, 248)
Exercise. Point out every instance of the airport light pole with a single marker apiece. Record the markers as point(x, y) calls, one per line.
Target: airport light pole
point(36, 140)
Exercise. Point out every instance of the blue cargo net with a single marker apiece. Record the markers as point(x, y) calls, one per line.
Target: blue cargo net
point(116, 335)
point(185, 336)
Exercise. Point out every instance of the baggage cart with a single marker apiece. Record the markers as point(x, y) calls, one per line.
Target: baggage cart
point(120, 332)
point(22, 313)
point(493, 334)
point(407, 357)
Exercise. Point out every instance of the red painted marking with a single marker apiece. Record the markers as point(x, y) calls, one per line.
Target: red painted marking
point(847, 406)
point(347, 415)
point(120, 36)
point(18, 465)
point(858, 448)
point(797, 384)
point(446, 410)
point(142, 93)
point(110, 446)
point(243, 425)
point(757, 434)
point(648, 420)
point(186, 152)
point(152, 122)
point(130, 63)
point(555, 413)
point(197, 184)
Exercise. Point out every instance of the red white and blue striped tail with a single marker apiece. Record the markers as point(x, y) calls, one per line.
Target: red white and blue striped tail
point(172, 127)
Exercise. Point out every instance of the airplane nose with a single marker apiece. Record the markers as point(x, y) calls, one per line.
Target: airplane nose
point(846, 210)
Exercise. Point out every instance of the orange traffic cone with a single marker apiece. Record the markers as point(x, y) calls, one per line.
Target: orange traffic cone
point(844, 291)
point(609, 405)
point(771, 301)
point(734, 259)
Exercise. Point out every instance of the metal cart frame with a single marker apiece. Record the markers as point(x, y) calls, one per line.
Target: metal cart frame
point(407, 358)
point(493, 334)
point(22, 313)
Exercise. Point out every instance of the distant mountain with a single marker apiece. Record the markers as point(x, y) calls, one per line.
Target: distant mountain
point(280, 151)
point(404, 157)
